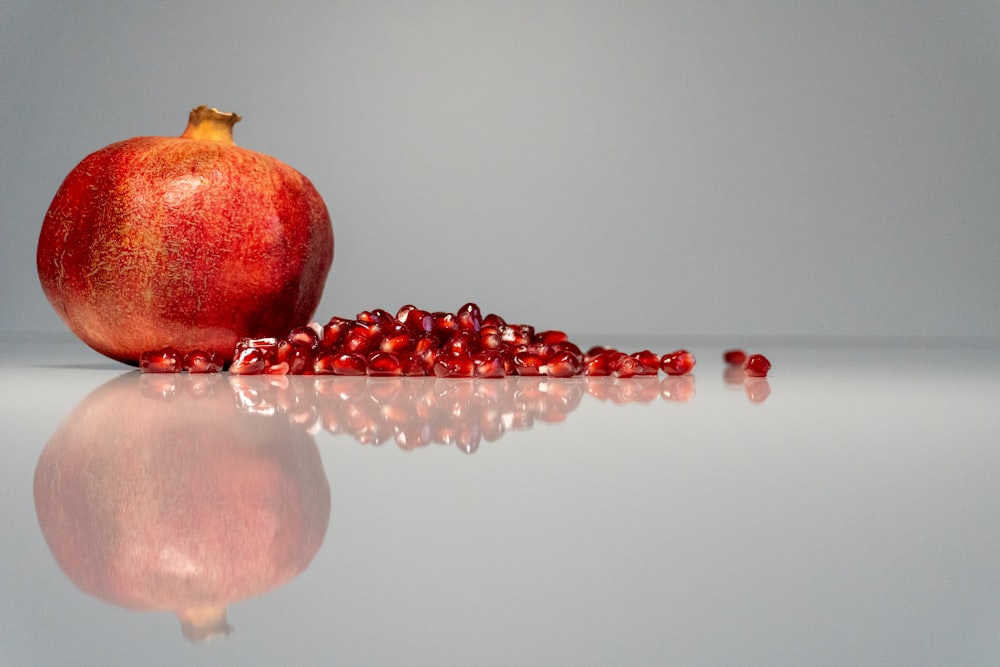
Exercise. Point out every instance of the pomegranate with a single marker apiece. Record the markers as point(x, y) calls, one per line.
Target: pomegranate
point(189, 242)
point(159, 492)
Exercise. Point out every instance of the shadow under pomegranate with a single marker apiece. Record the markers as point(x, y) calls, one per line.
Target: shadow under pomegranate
point(163, 495)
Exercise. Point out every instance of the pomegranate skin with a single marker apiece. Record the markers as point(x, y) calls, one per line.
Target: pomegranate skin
point(190, 242)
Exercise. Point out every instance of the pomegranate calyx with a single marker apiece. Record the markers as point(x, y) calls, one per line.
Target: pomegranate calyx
point(204, 623)
point(207, 124)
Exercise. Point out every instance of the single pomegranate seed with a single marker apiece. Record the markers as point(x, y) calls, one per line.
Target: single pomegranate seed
point(626, 366)
point(566, 346)
point(600, 361)
point(361, 338)
point(165, 360)
point(679, 362)
point(249, 361)
point(464, 341)
point(454, 365)
point(306, 336)
point(383, 364)
point(199, 361)
point(489, 337)
point(516, 334)
point(445, 324)
point(650, 362)
point(298, 357)
point(412, 365)
point(397, 340)
point(334, 331)
point(379, 318)
point(734, 357)
point(757, 365)
point(416, 320)
point(563, 364)
point(348, 363)
point(493, 320)
point(528, 363)
point(469, 317)
point(323, 363)
point(489, 364)
point(549, 337)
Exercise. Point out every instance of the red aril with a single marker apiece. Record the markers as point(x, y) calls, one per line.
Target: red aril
point(679, 362)
point(757, 365)
point(734, 357)
point(165, 360)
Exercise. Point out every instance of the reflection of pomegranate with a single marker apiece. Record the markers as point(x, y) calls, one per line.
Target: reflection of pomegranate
point(177, 499)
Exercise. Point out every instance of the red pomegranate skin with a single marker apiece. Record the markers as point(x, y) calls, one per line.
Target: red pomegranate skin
point(190, 242)
point(185, 503)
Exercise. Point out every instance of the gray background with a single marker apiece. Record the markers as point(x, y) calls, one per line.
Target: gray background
point(680, 168)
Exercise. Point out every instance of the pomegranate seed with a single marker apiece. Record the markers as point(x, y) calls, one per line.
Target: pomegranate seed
point(397, 340)
point(516, 334)
point(757, 365)
point(445, 324)
point(600, 361)
point(413, 366)
point(650, 362)
point(489, 337)
point(454, 365)
point(679, 362)
point(563, 364)
point(334, 331)
point(199, 361)
point(249, 361)
point(549, 337)
point(348, 363)
point(493, 320)
point(416, 320)
point(383, 364)
point(489, 364)
point(305, 336)
point(734, 357)
point(165, 360)
point(361, 338)
point(626, 366)
point(465, 341)
point(528, 363)
point(469, 318)
point(378, 318)
point(298, 357)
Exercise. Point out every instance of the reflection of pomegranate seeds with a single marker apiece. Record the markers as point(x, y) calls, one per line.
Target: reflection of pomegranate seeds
point(679, 362)
point(734, 357)
point(757, 365)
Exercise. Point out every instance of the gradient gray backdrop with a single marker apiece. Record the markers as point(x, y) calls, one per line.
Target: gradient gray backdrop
point(723, 168)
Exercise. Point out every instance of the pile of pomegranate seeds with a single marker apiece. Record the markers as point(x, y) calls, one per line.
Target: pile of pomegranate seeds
point(415, 342)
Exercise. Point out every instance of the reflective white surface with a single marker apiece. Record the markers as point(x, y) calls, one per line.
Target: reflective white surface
point(847, 515)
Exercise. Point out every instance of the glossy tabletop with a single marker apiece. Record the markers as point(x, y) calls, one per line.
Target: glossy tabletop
point(844, 511)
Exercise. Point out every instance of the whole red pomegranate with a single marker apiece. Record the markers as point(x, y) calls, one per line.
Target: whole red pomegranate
point(190, 242)
point(161, 493)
